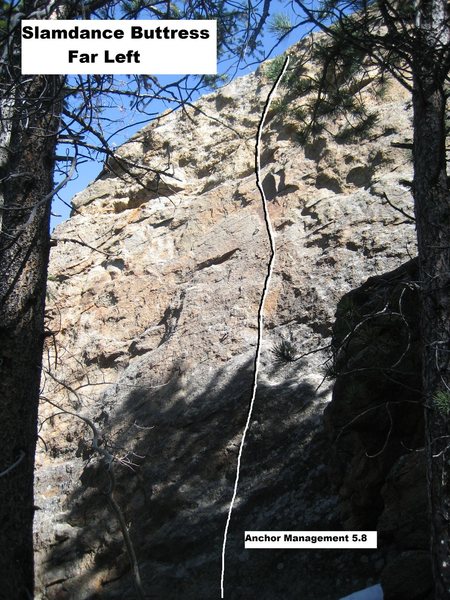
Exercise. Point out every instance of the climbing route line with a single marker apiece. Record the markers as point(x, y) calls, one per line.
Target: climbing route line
point(262, 302)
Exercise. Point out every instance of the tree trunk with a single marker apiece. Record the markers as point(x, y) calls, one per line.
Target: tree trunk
point(432, 210)
point(28, 140)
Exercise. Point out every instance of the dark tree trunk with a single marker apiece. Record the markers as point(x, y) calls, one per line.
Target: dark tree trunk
point(432, 210)
point(28, 132)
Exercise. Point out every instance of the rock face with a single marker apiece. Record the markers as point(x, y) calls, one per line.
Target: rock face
point(376, 422)
point(154, 291)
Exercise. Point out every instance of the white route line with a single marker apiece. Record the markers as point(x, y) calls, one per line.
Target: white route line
point(271, 235)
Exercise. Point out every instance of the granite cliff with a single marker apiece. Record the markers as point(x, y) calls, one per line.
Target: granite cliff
point(154, 288)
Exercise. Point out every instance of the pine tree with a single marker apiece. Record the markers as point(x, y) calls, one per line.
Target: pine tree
point(37, 112)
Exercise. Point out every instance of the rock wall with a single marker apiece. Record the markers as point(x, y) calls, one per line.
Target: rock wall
point(154, 289)
point(376, 423)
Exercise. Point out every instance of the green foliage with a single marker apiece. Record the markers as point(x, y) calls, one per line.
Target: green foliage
point(329, 80)
point(341, 62)
point(280, 25)
point(215, 81)
point(284, 352)
point(441, 401)
point(273, 68)
point(381, 87)
point(281, 107)
point(353, 133)
point(337, 67)
point(300, 86)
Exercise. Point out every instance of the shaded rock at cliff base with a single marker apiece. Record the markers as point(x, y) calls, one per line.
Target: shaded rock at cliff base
point(408, 577)
point(376, 411)
point(376, 423)
point(405, 514)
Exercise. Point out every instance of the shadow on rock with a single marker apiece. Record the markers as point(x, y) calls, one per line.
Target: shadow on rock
point(176, 447)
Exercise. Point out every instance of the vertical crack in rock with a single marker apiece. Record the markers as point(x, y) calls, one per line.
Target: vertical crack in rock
point(265, 290)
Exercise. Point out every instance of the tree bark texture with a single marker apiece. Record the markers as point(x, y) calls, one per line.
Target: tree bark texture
point(432, 210)
point(30, 121)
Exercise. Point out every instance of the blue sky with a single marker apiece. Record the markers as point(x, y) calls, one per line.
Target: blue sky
point(88, 171)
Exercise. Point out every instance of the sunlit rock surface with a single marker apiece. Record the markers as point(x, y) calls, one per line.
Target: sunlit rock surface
point(154, 290)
